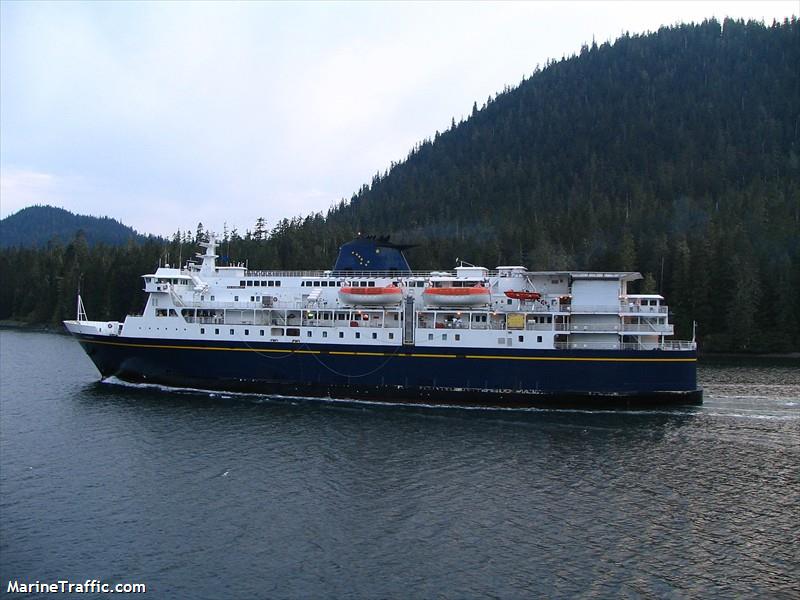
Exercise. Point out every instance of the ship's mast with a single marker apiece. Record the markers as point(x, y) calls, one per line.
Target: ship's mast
point(81, 309)
point(209, 265)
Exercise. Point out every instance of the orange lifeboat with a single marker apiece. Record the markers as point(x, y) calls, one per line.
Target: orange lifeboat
point(526, 296)
point(371, 296)
point(457, 296)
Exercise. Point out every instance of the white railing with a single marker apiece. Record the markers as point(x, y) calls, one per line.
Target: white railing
point(348, 274)
point(614, 308)
point(660, 328)
point(679, 345)
point(291, 305)
point(538, 307)
point(210, 304)
point(633, 308)
point(592, 308)
point(579, 327)
point(464, 327)
point(671, 345)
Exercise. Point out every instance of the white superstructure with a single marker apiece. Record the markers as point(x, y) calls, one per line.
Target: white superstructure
point(472, 307)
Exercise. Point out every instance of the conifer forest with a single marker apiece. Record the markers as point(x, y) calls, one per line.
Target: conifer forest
point(674, 153)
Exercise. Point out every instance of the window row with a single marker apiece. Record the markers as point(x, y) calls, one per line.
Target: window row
point(321, 283)
point(291, 332)
point(259, 283)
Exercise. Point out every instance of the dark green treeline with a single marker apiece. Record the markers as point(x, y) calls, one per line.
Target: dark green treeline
point(676, 154)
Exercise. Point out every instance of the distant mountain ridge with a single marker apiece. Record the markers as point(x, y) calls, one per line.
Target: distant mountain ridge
point(674, 153)
point(36, 226)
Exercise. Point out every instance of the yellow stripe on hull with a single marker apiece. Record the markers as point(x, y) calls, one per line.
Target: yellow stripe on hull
point(405, 355)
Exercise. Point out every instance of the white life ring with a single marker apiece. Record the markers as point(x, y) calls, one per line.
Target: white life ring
point(110, 326)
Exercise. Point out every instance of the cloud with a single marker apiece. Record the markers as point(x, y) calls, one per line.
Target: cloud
point(166, 114)
point(21, 188)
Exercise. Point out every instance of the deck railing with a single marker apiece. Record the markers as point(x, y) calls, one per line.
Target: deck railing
point(667, 346)
point(614, 308)
point(352, 274)
point(660, 328)
point(634, 308)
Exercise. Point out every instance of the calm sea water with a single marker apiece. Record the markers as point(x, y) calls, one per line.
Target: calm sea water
point(214, 496)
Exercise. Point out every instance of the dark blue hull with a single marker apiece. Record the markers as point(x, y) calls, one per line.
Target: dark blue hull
point(466, 377)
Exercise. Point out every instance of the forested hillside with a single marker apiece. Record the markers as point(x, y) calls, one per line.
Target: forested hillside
point(36, 226)
point(675, 153)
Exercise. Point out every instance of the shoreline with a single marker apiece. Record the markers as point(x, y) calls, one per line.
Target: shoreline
point(33, 327)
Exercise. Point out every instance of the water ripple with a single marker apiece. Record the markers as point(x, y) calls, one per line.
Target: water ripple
point(207, 495)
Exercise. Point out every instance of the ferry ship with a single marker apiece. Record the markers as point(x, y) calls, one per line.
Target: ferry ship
point(373, 329)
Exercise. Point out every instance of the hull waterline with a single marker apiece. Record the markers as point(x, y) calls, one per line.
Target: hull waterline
point(470, 378)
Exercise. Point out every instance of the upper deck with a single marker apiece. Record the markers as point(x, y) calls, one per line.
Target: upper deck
point(508, 306)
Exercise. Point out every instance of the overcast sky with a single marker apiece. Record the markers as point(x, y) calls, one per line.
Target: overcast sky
point(165, 114)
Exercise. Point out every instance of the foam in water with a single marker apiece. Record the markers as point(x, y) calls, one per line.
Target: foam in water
point(740, 412)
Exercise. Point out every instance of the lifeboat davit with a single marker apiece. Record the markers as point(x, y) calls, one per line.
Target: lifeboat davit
point(457, 296)
point(371, 296)
point(527, 296)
